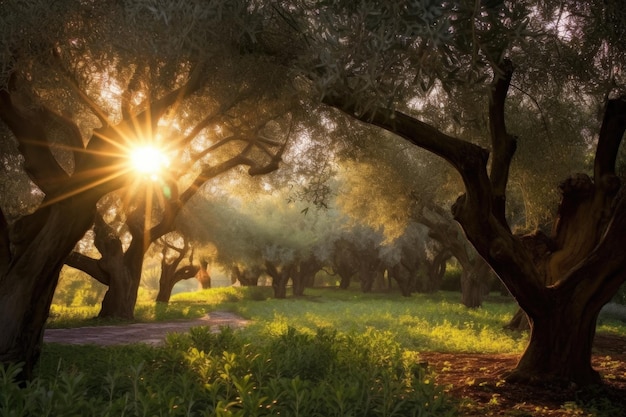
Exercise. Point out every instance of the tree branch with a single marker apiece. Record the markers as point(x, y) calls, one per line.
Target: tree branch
point(587, 205)
point(105, 238)
point(603, 270)
point(71, 80)
point(611, 135)
point(155, 110)
point(468, 159)
point(167, 245)
point(33, 144)
point(494, 242)
point(602, 234)
point(503, 145)
point(88, 265)
point(99, 169)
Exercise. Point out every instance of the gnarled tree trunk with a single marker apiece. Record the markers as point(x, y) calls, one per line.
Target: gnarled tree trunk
point(560, 347)
point(166, 284)
point(370, 269)
point(304, 275)
point(475, 272)
point(403, 276)
point(119, 270)
point(34, 248)
point(437, 268)
point(28, 280)
point(171, 274)
point(344, 263)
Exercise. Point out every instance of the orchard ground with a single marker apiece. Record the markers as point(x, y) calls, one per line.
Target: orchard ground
point(474, 379)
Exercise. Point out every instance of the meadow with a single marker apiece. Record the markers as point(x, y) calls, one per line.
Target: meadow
point(330, 353)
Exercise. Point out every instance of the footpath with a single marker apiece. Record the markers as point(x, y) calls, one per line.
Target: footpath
point(148, 333)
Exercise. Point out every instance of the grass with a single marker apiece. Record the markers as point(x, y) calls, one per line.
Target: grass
point(423, 322)
point(294, 360)
point(331, 352)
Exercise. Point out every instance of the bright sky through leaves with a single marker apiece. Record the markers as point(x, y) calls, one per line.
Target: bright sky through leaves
point(149, 160)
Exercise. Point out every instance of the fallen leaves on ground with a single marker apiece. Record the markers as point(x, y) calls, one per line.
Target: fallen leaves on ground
point(476, 381)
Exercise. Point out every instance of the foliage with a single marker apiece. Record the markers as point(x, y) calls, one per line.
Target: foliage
point(332, 353)
point(77, 289)
point(452, 277)
point(220, 374)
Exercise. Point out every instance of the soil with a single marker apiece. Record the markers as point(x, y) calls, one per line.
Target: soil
point(475, 380)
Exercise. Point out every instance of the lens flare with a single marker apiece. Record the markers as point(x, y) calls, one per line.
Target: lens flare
point(149, 161)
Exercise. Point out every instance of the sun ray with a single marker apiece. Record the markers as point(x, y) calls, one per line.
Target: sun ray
point(149, 161)
point(90, 185)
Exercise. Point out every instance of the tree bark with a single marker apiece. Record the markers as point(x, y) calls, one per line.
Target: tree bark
point(27, 285)
point(122, 268)
point(519, 321)
point(475, 271)
point(437, 268)
point(344, 262)
point(304, 275)
point(560, 348)
point(369, 268)
point(474, 283)
point(34, 248)
point(403, 277)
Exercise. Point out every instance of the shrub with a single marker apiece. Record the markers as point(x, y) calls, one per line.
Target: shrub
point(76, 288)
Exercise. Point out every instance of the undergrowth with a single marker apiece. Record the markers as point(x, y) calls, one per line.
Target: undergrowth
point(329, 353)
point(201, 373)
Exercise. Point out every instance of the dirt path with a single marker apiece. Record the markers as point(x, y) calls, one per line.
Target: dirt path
point(149, 333)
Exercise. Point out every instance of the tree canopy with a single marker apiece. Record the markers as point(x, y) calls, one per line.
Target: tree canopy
point(224, 84)
point(77, 97)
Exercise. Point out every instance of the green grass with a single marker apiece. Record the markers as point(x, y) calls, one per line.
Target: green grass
point(331, 352)
point(436, 322)
point(295, 360)
point(421, 322)
point(188, 306)
point(424, 322)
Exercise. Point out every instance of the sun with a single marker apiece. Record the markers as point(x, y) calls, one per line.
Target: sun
point(149, 161)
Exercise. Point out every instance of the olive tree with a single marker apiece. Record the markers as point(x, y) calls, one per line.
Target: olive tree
point(81, 85)
point(376, 61)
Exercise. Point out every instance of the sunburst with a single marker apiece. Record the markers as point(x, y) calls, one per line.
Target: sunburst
point(149, 161)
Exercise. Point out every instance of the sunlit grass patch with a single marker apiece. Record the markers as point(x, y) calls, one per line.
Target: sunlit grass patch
point(420, 322)
point(612, 327)
point(189, 305)
point(63, 316)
